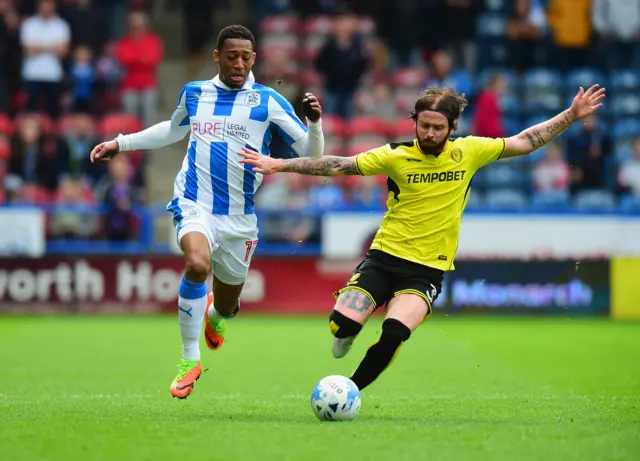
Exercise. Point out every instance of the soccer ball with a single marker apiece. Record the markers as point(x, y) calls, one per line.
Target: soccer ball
point(335, 398)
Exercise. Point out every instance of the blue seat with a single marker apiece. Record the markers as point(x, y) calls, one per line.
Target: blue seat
point(474, 202)
point(626, 105)
point(504, 175)
point(513, 82)
point(542, 77)
point(626, 130)
point(492, 46)
point(521, 162)
point(464, 127)
point(584, 77)
point(506, 199)
point(542, 89)
point(491, 25)
point(480, 181)
point(623, 152)
point(625, 79)
point(535, 156)
point(498, 6)
point(595, 200)
point(551, 200)
point(512, 125)
point(630, 204)
point(510, 104)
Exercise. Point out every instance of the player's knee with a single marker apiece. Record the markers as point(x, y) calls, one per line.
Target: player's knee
point(394, 331)
point(197, 267)
point(342, 326)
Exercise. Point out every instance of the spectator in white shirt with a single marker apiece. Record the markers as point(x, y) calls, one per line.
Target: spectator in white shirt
point(629, 174)
point(45, 41)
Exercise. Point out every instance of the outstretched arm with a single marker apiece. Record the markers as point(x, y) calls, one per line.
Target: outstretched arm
point(157, 136)
point(320, 166)
point(584, 104)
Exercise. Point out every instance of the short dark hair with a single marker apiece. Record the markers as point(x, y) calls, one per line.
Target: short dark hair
point(235, 32)
point(442, 100)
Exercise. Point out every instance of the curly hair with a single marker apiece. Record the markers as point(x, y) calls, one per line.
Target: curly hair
point(442, 100)
point(235, 32)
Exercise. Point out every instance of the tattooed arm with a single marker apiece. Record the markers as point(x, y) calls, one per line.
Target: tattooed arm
point(324, 166)
point(584, 104)
point(320, 166)
point(537, 136)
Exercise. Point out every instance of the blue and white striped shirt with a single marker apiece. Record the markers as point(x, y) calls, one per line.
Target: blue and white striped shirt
point(223, 121)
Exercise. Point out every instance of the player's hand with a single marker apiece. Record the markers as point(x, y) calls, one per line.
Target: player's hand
point(587, 102)
point(262, 163)
point(311, 107)
point(105, 151)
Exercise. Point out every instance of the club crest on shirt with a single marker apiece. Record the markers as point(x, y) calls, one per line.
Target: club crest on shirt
point(456, 155)
point(252, 99)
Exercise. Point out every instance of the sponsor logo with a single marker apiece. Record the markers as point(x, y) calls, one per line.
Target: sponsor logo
point(445, 176)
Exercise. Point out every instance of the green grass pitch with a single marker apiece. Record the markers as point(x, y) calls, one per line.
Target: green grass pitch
point(97, 388)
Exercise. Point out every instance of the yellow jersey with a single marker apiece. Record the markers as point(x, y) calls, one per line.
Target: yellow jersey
point(427, 195)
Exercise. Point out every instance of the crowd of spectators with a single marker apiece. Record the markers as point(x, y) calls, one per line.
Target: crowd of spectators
point(76, 71)
point(73, 73)
point(518, 62)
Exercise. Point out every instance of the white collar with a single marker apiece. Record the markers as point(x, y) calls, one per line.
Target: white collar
point(247, 85)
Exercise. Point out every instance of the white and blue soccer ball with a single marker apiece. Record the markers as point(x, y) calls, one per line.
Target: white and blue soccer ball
point(335, 398)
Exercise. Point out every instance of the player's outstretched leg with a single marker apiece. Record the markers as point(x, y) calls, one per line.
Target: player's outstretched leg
point(404, 315)
point(192, 303)
point(224, 304)
point(351, 311)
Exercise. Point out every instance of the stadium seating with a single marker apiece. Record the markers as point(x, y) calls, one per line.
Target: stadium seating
point(5, 150)
point(113, 124)
point(625, 80)
point(630, 204)
point(505, 199)
point(551, 200)
point(585, 77)
point(595, 200)
point(6, 125)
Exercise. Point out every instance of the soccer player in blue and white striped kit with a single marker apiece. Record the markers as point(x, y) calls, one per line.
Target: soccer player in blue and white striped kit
point(213, 203)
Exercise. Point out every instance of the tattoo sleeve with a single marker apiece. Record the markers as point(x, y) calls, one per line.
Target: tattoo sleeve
point(322, 166)
point(552, 127)
point(355, 300)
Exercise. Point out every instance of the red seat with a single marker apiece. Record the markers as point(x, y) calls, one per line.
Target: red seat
point(5, 150)
point(114, 124)
point(279, 25)
point(6, 126)
point(405, 128)
point(35, 194)
point(333, 125)
point(409, 77)
point(367, 124)
point(309, 78)
point(317, 25)
point(363, 146)
point(289, 43)
point(19, 101)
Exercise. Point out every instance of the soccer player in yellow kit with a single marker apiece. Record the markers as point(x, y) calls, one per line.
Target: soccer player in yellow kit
point(429, 179)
